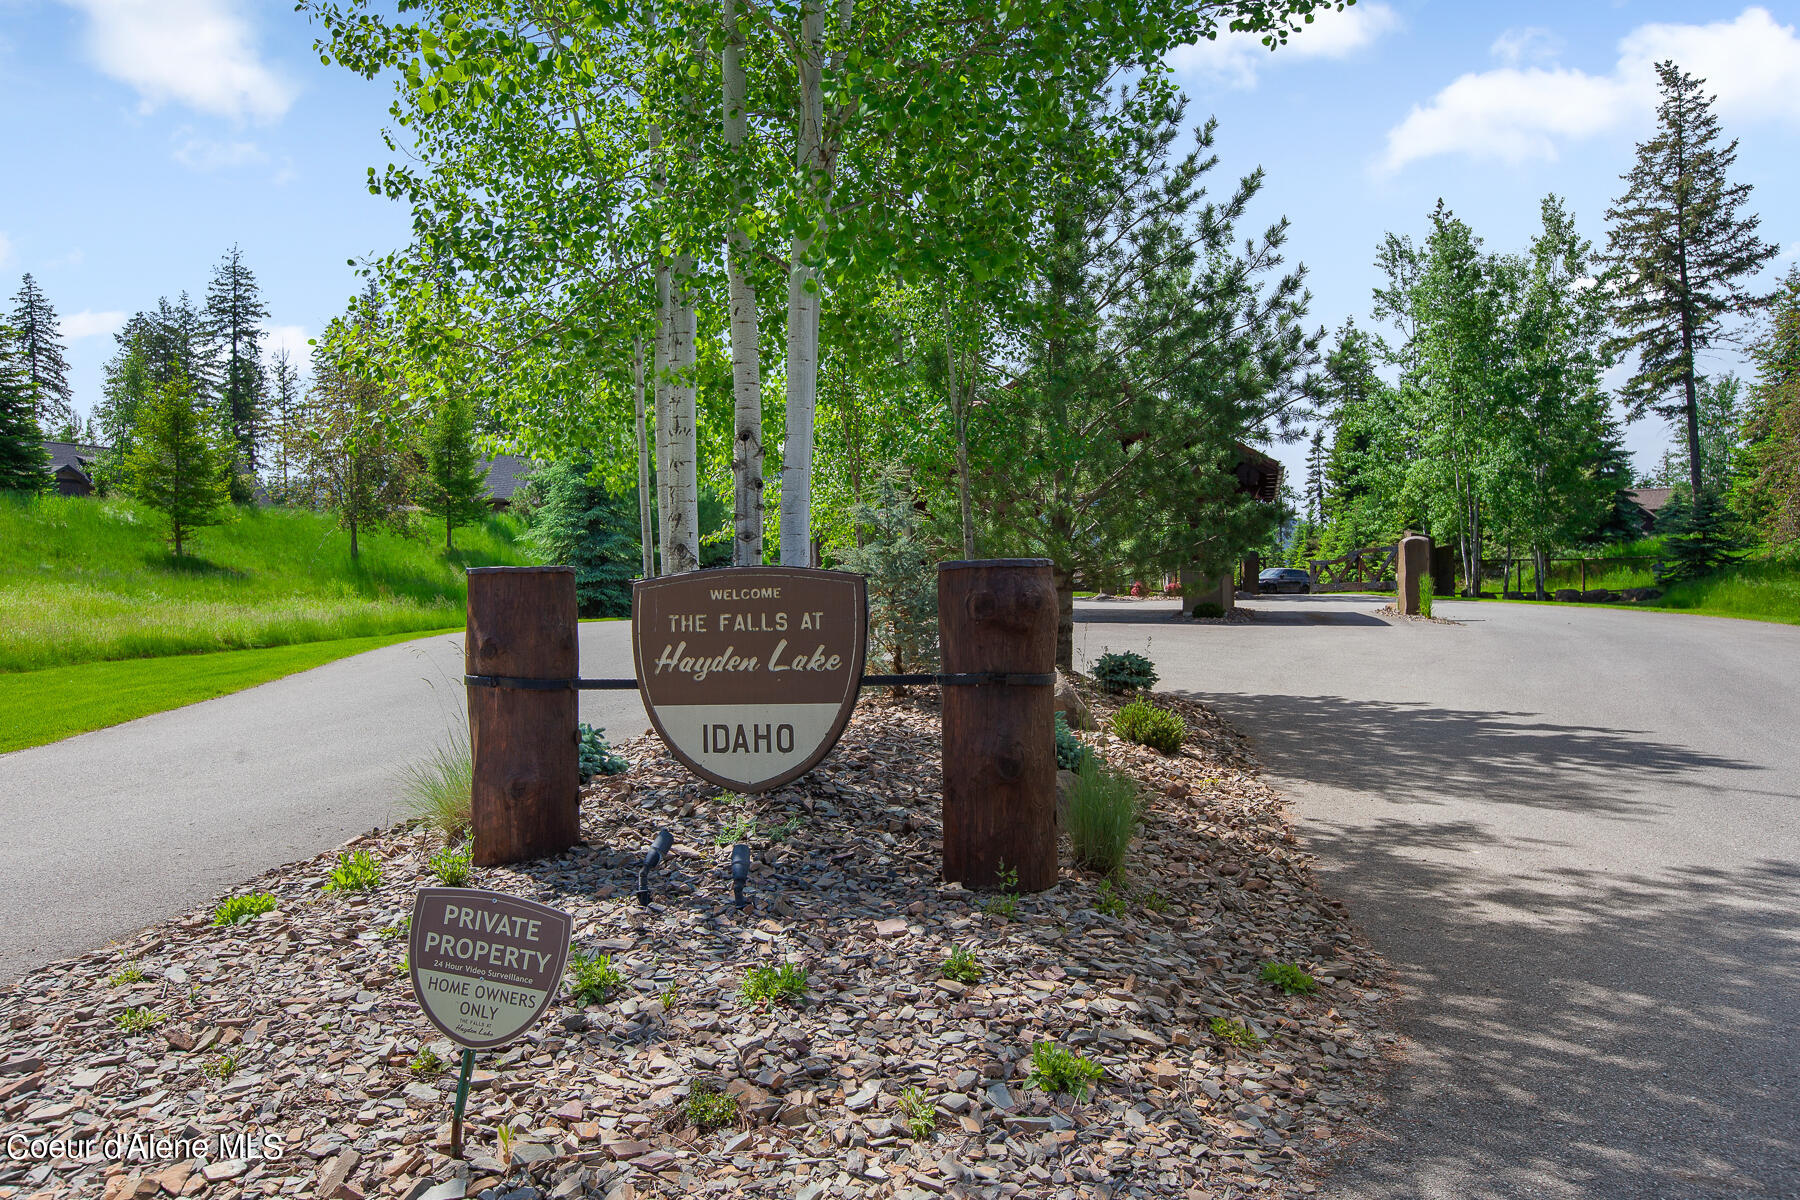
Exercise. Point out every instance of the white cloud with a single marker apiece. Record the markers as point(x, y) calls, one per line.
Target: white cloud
point(200, 53)
point(1514, 114)
point(205, 154)
point(86, 324)
point(1235, 58)
point(1532, 43)
point(291, 338)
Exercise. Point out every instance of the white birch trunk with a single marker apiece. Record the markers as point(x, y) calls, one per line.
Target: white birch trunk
point(803, 306)
point(683, 518)
point(645, 534)
point(746, 370)
point(664, 419)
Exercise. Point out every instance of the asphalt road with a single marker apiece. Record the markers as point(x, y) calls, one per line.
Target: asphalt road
point(1576, 834)
point(111, 830)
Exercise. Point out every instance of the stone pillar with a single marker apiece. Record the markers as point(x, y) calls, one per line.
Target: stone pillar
point(1252, 568)
point(1412, 567)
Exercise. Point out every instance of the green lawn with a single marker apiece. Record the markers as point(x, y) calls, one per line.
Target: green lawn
point(1752, 591)
point(37, 707)
point(86, 580)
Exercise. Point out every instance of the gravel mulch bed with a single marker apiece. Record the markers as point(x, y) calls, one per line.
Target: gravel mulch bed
point(299, 1024)
point(1393, 614)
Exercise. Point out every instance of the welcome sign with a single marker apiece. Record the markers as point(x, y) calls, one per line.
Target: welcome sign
point(750, 673)
point(485, 966)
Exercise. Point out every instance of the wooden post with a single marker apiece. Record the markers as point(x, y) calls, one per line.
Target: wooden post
point(526, 791)
point(999, 744)
point(1412, 567)
point(1252, 569)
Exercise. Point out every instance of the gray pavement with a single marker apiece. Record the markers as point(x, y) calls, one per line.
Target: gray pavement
point(114, 829)
point(1576, 835)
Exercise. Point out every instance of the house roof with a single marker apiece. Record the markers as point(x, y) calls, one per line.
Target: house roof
point(506, 474)
point(73, 456)
point(1650, 499)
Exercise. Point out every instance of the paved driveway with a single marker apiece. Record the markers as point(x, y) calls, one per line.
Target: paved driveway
point(1576, 833)
point(111, 830)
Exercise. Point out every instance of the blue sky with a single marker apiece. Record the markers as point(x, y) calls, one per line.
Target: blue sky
point(143, 137)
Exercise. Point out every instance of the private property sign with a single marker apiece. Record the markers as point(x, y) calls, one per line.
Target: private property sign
point(750, 674)
point(485, 966)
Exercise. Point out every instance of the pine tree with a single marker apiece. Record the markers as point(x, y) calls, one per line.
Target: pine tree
point(1315, 476)
point(454, 487)
point(234, 307)
point(283, 416)
point(38, 336)
point(579, 523)
point(177, 464)
point(23, 463)
point(1683, 254)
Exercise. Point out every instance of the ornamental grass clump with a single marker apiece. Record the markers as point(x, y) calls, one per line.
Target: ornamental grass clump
point(436, 791)
point(1147, 725)
point(1104, 810)
point(1124, 671)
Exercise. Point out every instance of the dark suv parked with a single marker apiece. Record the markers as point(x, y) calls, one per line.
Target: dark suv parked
point(1284, 579)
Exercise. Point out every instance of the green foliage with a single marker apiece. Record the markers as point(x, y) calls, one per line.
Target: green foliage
point(580, 522)
point(356, 871)
point(595, 978)
point(1154, 901)
point(178, 464)
point(1104, 810)
point(453, 867)
point(1208, 609)
point(427, 1063)
point(1234, 1032)
point(1144, 723)
point(1071, 752)
point(438, 792)
point(24, 467)
point(242, 908)
point(919, 1112)
point(454, 486)
point(1290, 978)
point(961, 965)
point(222, 1066)
point(138, 1018)
point(738, 828)
point(773, 984)
point(1120, 671)
point(1058, 1069)
point(1425, 598)
point(1109, 900)
point(1699, 539)
point(1005, 901)
point(127, 974)
point(595, 755)
point(1767, 488)
point(709, 1107)
point(900, 566)
point(391, 932)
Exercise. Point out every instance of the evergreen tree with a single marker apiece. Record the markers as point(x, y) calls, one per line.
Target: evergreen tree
point(579, 523)
point(1683, 254)
point(1621, 521)
point(234, 308)
point(179, 463)
point(1700, 537)
point(1315, 475)
point(899, 564)
point(23, 463)
point(454, 487)
point(1768, 483)
point(285, 411)
point(38, 336)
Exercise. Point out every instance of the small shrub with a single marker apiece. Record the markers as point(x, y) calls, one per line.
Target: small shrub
point(436, 792)
point(390, 932)
point(919, 1112)
point(129, 973)
point(596, 979)
point(1147, 725)
point(1124, 671)
point(961, 965)
point(1208, 608)
point(774, 985)
point(242, 908)
point(1289, 978)
point(1109, 899)
point(708, 1107)
point(1057, 1069)
point(427, 1063)
point(1103, 815)
point(358, 872)
point(595, 756)
point(222, 1066)
point(1155, 902)
point(138, 1018)
point(1071, 752)
point(452, 867)
point(1235, 1032)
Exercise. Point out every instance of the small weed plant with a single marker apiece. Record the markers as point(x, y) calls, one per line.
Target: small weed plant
point(1071, 752)
point(1121, 671)
point(1006, 902)
point(1058, 1069)
point(596, 979)
point(354, 872)
point(390, 932)
point(1234, 1032)
point(453, 867)
point(784, 830)
point(670, 997)
point(427, 1063)
point(436, 791)
point(709, 1107)
point(1109, 899)
point(1155, 902)
point(129, 973)
point(1104, 810)
point(222, 1066)
point(741, 828)
point(961, 965)
point(138, 1018)
point(503, 1141)
point(595, 754)
point(242, 908)
point(1289, 978)
point(1147, 725)
point(920, 1114)
point(773, 985)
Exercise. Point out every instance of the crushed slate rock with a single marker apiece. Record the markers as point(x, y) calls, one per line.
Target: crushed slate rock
point(299, 1025)
point(1394, 614)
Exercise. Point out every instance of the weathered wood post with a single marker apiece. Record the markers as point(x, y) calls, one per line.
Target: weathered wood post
point(1412, 570)
point(526, 790)
point(1252, 571)
point(999, 615)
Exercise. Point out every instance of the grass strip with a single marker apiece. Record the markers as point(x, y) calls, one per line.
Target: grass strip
point(38, 707)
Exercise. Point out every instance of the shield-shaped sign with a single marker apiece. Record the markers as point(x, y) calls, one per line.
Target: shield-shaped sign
point(485, 966)
point(750, 673)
